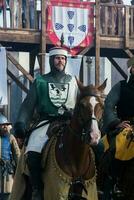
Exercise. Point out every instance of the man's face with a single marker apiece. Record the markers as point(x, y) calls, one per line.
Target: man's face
point(3, 128)
point(59, 62)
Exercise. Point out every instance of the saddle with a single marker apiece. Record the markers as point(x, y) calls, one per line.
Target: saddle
point(56, 128)
point(121, 144)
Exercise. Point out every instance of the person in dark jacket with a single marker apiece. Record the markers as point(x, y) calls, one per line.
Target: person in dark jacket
point(119, 106)
point(53, 96)
point(118, 121)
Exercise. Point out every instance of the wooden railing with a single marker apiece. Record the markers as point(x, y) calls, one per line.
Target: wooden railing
point(115, 20)
point(21, 14)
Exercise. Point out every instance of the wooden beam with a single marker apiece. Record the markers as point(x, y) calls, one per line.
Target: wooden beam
point(4, 15)
point(27, 15)
point(22, 86)
point(20, 36)
point(129, 53)
point(20, 14)
point(97, 43)
point(32, 59)
point(127, 27)
point(12, 14)
point(19, 67)
point(85, 50)
point(114, 63)
point(43, 36)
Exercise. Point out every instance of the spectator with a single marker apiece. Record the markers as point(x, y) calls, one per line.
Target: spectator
point(10, 153)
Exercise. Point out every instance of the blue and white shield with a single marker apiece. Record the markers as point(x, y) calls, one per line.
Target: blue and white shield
point(72, 22)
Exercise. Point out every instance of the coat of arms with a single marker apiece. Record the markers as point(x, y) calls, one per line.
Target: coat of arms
point(74, 21)
point(58, 95)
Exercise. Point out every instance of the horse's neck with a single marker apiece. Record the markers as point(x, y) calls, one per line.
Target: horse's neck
point(75, 157)
point(75, 125)
point(78, 152)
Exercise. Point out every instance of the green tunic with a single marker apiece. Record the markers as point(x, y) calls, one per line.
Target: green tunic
point(46, 95)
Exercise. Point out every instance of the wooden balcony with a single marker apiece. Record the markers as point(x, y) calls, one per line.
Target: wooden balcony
point(116, 29)
point(23, 28)
point(20, 24)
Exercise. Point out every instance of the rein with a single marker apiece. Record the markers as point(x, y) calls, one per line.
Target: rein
point(83, 134)
point(61, 146)
point(80, 127)
point(76, 181)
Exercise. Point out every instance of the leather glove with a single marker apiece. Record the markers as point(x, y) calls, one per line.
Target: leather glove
point(19, 130)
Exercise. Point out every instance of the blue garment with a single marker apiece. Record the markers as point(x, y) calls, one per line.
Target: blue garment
point(5, 148)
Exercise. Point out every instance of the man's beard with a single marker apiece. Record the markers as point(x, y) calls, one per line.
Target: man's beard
point(2, 132)
point(58, 67)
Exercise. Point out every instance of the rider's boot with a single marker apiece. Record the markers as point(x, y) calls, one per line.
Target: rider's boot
point(34, 166)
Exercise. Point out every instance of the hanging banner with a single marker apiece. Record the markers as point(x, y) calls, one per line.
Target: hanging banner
point(74, 22)
point(3, 76)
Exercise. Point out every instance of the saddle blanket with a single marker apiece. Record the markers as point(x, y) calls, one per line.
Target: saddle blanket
point(123, 144)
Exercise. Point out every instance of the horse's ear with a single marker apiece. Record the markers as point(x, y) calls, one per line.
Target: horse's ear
point(103, 85)
point(79, 83)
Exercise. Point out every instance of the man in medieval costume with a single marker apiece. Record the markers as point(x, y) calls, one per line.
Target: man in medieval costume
point(118, 124)
point(53, 97)
point(9, 155)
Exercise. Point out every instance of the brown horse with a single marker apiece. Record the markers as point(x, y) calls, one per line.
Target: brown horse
point(68, 160)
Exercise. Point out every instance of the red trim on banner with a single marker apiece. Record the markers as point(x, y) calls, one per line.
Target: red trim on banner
point(87, 42)
point(1, 4)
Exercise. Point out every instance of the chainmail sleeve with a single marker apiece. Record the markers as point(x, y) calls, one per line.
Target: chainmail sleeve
point(28, 106)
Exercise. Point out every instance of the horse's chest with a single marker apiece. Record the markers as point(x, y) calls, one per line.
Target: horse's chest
point(57, 183)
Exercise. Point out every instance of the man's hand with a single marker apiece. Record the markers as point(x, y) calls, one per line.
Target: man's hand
point(124, 124)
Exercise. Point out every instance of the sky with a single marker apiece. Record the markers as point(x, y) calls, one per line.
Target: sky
point(127, 2)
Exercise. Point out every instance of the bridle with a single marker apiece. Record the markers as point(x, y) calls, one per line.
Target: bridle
point(85, 124)
point(78, 182)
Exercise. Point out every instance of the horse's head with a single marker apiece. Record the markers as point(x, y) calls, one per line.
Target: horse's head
point(89, 110)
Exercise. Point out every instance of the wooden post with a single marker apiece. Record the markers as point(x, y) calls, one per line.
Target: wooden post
point(19, 67)
point(97, 43)
point(4, 16)
point(9, 98)
point(20, 14)
point(127, 28)
point(27, 15)
point(32, 59)
point(129, 53)
point(16, 80)
point(43, 36)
